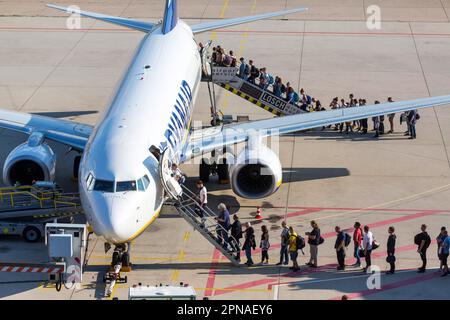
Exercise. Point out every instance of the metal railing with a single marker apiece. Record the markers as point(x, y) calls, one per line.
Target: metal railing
point(30, 196)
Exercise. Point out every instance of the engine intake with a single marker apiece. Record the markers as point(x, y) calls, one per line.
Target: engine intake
point(256, 173)
point(29, 162)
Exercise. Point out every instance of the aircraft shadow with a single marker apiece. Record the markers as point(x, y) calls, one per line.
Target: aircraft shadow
point(65, 114)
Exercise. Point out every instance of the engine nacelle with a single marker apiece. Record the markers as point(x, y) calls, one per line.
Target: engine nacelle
point(30, 161)
point(256, 173)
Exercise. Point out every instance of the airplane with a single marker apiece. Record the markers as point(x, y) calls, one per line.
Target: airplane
point(150, 113)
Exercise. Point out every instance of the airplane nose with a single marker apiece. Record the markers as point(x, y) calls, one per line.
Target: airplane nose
point(112, 219)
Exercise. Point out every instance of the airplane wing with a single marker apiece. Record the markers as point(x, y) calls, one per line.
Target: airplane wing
point(128, 23)
point(208, 26)
point(217, 138)
point(68, 132)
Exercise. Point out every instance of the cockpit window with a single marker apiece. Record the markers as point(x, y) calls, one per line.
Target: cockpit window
point(126, 186)
point(143, 183)
point(90, 181)
point(104, 186)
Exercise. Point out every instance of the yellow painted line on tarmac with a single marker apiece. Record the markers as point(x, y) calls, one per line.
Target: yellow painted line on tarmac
point(239, 54)
point(187, 235)
point(221, 16)
point(385, 204)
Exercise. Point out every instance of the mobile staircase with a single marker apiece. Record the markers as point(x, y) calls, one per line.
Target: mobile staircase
point(227, 78)
point(202, 219)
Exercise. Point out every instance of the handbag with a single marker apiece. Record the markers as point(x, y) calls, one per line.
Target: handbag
point(361, 253)
point(390, 259)
point(375, 245)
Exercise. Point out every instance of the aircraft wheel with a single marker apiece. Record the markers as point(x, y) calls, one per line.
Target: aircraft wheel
point(126, 259)
point(223, 173)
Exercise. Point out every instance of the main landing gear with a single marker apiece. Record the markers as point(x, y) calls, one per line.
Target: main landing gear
point(215, 165)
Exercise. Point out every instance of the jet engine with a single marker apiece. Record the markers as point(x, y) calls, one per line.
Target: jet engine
point(32, 160)
point(256, 173)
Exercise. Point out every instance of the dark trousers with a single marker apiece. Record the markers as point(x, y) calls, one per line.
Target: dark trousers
point(264, 255)
point(341, 258)
point(235, 245)
point(392, 264)
point(368, 258)
point(284, 255)
point(423, 256)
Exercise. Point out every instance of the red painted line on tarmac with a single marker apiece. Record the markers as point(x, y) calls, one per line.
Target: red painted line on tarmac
point(391, 221)
point(256, 32)
point(303, 212)
point(292, 274)
point(334, 33)
point(212, 274)
point(391, 286)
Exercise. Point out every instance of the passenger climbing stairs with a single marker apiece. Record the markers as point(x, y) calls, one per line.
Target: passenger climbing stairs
point(27, 202)
point(200, 218)
point(227, 78)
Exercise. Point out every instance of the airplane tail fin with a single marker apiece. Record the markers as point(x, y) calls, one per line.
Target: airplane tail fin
point(170, 19)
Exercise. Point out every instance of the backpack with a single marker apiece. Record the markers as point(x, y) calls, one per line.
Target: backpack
point(271, 79)
point(417, 116)
point(321, 240)
point(247, 69)
point(300, 242)
point(347, 239)
point(418, 241)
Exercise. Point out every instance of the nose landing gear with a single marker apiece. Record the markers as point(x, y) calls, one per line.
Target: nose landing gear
point(120, 263)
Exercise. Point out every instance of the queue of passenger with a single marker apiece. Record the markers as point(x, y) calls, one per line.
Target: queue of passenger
point(291, 242)
point(275, 85)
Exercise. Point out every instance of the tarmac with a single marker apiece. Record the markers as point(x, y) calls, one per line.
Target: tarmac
point(335, 179)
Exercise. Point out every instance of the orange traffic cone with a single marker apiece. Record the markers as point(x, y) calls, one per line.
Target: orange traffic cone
point(258, 213)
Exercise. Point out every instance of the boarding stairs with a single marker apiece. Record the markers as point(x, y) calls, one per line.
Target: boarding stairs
point(25, 202)
point(202, 219)
point(227, 78)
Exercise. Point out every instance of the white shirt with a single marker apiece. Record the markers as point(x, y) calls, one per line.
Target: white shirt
point(203, 195)
point(368, 240)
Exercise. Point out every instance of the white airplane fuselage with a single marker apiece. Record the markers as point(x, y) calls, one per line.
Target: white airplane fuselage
point(152, 106)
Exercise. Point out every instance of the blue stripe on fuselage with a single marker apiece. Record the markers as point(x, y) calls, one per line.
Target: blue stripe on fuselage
point(179, 120)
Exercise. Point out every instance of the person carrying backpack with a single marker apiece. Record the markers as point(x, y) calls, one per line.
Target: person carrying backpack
point(293, 248)
point(423, 241)
point(314, 240)
point(339, 246)
point(236, 233)
point(249, 243)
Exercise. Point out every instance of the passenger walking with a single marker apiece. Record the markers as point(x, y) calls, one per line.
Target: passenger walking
point(423, 241)
point(293, 249)
point(376, 123)
point(244, 69)
point(339, 246)
point(284, 257)
point(440, 241)
point(202, 200)
point(391, 117)
point(357, 241)
point(412, 119)
point(254, 72)
point(223, 220)
point(249, 243)
point(314, 242)
point(391, 250)
point(367, 246)
point(236, 233)
point(264, 245)
point(445, 253)
point(179, 176)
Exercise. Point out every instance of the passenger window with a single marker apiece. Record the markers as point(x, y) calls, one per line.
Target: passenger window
point(126, 186)
point(90, 182)
point(104, 186)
